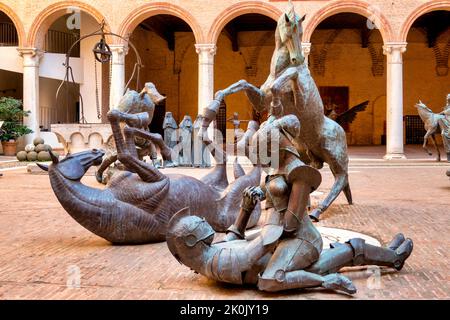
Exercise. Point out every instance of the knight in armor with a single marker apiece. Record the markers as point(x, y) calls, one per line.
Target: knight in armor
point(287, 252)
point(137, 111)
point(200, 157)
point(445, 127)
point(170, 136)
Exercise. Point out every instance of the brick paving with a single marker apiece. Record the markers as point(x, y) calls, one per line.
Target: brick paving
point(42, 247)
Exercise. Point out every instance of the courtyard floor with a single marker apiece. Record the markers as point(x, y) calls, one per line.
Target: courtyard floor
point(42, 247)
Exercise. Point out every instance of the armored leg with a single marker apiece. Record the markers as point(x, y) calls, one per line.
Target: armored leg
point(286, 270)
point(357, 253)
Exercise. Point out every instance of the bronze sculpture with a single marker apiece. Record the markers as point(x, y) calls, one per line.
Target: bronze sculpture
point(142, 104)
point(139, 201)
point(445, 127)
point(287, 252)
point(348, 116)
point(170, 137)
point(185, 142)
point(321, 139)
point(432, 122)
point(200, 156)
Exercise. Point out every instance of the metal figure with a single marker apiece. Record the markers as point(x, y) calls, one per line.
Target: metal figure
point(137, 204)
point(185, 139)
point(348, 116)
point(287, 252)
point(200, 157)
point(321, 139)
point(170, 137)
point(143, 106)
point(432, 122)
point(445, 127)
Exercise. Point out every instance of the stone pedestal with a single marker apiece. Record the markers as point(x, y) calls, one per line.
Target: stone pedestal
point(394, 116)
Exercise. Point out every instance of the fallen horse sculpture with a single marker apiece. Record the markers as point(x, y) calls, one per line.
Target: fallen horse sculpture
point(138, 203)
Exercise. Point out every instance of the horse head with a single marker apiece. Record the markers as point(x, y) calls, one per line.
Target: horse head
point(289, 33)
point(75, 166)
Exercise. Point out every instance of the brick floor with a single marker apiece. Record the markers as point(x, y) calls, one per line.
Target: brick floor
point(41, 244)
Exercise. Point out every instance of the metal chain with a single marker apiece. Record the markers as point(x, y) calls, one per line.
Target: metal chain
point(97, 101)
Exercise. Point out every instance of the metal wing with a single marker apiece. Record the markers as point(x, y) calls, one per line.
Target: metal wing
point(350, 115)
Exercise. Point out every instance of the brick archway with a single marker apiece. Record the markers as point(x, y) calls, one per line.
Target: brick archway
point(349, 6)
point(16, 21)
point(51, 13)
point(237, 10)
point(154, 8)
point(420, 11)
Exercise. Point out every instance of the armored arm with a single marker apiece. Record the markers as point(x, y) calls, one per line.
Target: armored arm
point(250, 198)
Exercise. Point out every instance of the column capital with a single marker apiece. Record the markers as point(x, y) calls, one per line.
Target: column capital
point(209, 48)
point(392, 47)
point(31, 56)
point(119, 51)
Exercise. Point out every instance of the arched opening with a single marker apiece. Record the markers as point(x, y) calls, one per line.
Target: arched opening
point(10, 81)
point(244, 50)
point(348, 65)
point(166, 45)
point(91, 77)
point(426, 69)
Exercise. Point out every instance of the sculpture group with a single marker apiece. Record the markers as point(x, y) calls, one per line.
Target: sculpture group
point(141, 204)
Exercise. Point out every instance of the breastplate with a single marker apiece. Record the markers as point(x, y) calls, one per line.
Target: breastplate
point(277, 193)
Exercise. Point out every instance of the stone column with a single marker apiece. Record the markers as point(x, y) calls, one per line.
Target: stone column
point(394, 114)
point(306, 48)
point(206, 54)
point(31, 57)
point(119, 52)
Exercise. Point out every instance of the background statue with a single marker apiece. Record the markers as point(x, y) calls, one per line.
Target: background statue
point(348, 116)
point(170, 136)
point(143, 105)
point(199, 158)
point(445, 127)
point(185, 139)
point(321, 139)
point(432, 122)
point(287, 252)
point(137, 203)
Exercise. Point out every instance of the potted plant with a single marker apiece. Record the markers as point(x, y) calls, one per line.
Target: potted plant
point(12, 113)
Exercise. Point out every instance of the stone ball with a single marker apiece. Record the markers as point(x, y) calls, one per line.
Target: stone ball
point(29, 147)
point(40, 147)
point(44, 156)
point(32, 156)
point(48, 147)
point(22, 155)
point(38, 141)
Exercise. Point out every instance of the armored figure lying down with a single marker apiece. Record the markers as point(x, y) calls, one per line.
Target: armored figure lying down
point(287, 252)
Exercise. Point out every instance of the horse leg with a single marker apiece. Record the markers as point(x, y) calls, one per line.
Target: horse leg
point(146, 172)
point(425, 141)
point(433, 139)
point(348, 193)
point(255, 95)
point(107, 161)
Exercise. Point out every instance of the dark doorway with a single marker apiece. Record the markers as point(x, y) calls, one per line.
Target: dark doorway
point(335, 99)
point(158, 118)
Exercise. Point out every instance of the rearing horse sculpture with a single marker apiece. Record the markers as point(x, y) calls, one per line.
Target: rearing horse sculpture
point(431, 122)
point(290, 89)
